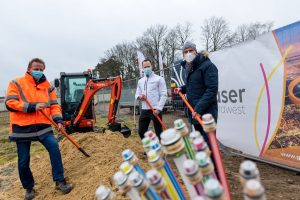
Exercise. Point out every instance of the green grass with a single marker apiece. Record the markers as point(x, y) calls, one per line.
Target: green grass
point(8, 150)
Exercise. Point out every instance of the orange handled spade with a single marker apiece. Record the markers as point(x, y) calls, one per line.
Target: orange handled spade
point(158, 118)
point(65, 134)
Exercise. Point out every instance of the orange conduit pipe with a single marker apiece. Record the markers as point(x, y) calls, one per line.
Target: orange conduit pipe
point(214, 148)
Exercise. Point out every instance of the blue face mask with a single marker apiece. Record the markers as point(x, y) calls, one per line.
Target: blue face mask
point(147, 71)
point(36, 74)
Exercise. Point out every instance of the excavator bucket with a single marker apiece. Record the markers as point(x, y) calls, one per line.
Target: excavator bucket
point(114, 127)
point(125, 131)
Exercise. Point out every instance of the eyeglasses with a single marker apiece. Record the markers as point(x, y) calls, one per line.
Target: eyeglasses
point(188, 51)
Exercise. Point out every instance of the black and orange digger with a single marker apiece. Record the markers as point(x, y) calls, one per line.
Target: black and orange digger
point(77, 92)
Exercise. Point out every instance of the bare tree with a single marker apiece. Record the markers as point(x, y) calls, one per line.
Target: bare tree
point(216, 34)
point(252, 31)
point(151, 42)
point(169, 47)
point(183, 33)
point(256, 29)
point(241, 33)
point(125, 53)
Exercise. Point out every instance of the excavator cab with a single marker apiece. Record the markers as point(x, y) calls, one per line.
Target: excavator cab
point(72, 90)
point(77, 92)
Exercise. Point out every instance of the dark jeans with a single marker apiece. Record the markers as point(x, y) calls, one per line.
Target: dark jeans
point(25, 174)
point(144, 121)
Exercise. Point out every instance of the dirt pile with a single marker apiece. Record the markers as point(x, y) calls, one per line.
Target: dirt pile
point(105, 149)
point(85, 173)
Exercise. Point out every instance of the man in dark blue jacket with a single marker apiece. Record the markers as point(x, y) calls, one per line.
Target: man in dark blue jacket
point(201, 86)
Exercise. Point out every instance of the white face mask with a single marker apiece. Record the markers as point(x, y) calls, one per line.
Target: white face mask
point(189, 57)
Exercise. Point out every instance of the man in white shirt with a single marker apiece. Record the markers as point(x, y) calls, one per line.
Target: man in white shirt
point(153, 88)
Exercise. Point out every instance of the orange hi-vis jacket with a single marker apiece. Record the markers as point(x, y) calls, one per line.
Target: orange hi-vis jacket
point(22, 96)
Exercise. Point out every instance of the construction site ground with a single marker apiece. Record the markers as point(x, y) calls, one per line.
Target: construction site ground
point(86, 174)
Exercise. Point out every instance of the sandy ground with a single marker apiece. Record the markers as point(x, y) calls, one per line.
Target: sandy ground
point(86, 174)
point(105, 149)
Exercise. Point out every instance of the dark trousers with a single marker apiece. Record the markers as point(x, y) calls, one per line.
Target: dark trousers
point(144, 121)
point(25, 174)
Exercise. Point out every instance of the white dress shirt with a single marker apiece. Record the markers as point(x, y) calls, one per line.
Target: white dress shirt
point(155, 89)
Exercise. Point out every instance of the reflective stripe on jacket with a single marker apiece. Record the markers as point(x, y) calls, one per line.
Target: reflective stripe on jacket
point(22, 96)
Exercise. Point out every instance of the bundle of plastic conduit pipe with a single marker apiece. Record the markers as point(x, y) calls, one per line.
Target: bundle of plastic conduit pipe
point(250, 180)
point(174, 147)
point(196, 174)
point(162, 166)
point(122, 182)
point(209, 127)
point(104, 193)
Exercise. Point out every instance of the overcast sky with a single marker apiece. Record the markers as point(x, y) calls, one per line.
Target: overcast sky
point(71, 35)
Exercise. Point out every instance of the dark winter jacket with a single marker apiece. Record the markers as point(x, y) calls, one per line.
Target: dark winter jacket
point(201, 86)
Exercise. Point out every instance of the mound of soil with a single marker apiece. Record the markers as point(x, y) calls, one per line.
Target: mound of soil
point(86, 174)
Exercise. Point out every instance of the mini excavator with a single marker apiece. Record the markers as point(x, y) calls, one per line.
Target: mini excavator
point(77, 92)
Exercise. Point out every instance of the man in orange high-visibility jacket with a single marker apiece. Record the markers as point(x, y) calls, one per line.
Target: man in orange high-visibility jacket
point(25, 97)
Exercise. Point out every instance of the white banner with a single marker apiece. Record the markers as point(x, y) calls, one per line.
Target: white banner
point(141, 58)
point(256, 115)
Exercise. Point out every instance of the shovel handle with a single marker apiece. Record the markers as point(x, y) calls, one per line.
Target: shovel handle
point(158, 118)
point(197, 117)
point(65, 134)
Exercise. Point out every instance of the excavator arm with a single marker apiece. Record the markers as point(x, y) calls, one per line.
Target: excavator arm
point(93, 86)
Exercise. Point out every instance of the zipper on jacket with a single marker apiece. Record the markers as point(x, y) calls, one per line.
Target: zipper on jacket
point(36, 112)
point(146, 86)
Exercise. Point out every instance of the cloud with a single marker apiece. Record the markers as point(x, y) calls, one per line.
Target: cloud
point(72, 35)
